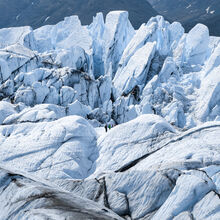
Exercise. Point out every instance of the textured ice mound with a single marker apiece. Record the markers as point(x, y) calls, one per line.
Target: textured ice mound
point(62, 86)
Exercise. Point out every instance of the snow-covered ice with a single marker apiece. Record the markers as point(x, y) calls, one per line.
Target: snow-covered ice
point(156, 91)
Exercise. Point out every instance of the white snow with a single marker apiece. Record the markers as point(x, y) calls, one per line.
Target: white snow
point(47, 18)
point(207, 10)
point(189, 6)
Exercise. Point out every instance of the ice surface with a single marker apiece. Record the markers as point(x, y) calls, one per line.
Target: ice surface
point(197, 42)
point(25, 197)
point(17, 35)
point(53, 150)
point(126, 118)
point(63, 35)
point(118, 33)
point(120, 144)
point(6, 109)
point(136, 71)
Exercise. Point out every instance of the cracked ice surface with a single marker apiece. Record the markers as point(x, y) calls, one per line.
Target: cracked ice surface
point(157, 86)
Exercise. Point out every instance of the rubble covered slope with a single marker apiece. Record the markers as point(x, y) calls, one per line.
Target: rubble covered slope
point(157, 87)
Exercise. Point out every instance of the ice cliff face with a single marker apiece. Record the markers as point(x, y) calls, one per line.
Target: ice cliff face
point(61, 84)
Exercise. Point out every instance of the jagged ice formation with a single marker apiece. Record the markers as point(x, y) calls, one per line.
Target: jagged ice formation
point(61, 84)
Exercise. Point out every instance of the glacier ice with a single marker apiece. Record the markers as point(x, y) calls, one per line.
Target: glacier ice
point(117, 34)
point(157, 88)
point(55, 144)
point(135, 72)
point(197, 41)
point(31, 198)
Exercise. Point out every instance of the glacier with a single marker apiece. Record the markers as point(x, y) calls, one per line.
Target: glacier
point(157, 87)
